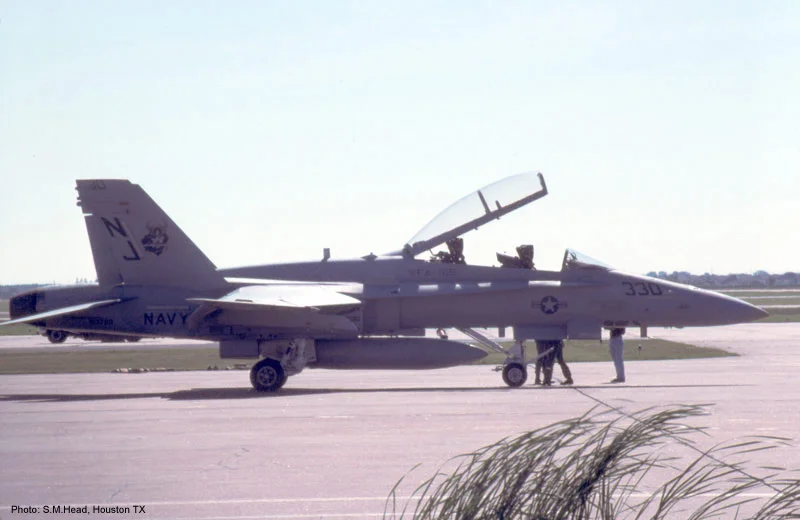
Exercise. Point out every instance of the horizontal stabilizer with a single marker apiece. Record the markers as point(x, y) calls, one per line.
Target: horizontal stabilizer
point(63, 311)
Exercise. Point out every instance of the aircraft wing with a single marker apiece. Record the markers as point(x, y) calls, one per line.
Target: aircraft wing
point(63, 311)
point(305, 306)
point(283, 295)
point(476, 209)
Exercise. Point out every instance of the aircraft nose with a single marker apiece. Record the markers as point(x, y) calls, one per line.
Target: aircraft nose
point(739, 311)
point(755, 313)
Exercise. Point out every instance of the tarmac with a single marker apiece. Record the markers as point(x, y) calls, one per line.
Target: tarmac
point(332, 444)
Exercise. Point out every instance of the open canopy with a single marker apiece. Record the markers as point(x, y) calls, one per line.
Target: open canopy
point(488, 203)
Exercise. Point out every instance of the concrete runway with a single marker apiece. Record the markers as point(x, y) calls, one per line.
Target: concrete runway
point(332, 444)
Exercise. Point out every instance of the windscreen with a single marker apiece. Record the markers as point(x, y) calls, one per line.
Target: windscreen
point(575, 260)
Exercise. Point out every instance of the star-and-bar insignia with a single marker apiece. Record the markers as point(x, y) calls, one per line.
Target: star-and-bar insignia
point(549, 305)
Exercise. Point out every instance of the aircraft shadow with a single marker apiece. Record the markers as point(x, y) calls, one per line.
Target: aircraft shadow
point(204, 394)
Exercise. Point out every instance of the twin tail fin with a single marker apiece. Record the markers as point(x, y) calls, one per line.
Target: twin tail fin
point(134, 242)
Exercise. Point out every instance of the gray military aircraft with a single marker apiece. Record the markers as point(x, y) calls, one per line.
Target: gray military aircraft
point(362, 313)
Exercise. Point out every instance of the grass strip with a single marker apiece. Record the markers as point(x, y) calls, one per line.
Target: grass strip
point(53, 361)
point(18, 330)
point(93, 359)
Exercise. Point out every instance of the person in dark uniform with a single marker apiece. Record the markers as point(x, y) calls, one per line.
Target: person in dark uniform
point(559, 357)
point(541, 348)
point(545, 363)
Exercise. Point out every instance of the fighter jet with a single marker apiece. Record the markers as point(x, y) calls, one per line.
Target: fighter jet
point(361, 313)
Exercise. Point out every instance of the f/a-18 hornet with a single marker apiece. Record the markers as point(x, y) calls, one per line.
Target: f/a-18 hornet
point(362, 313)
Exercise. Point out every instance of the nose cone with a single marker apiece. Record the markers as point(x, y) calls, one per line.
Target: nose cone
point(729, 310)
point(751, 312)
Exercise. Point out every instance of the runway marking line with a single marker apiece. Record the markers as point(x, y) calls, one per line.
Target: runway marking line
point(302, 500)
point(308, 500)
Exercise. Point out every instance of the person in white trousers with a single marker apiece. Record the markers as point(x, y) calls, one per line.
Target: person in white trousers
point(615, 347)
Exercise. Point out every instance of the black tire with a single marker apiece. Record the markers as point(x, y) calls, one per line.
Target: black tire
point(515, 374)
point(267, 376)
point(132, 339)
point(57, 336)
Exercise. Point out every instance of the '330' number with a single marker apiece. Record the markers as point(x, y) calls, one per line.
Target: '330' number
point(642, 289)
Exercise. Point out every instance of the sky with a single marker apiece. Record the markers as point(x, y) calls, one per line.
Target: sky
point(668, 132)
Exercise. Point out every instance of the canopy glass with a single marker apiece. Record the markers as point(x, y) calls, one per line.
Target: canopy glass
point(574, 260)
point(479, 207)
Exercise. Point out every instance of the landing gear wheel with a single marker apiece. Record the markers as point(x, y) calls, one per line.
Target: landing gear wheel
point(515, 374)
point(56, 336)
point(267, 376)
point(132, 339)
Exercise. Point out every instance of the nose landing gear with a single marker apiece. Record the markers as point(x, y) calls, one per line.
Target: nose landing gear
point(515, 368)
point(515, 374)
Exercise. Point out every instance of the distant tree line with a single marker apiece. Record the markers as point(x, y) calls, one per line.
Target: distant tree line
point(7, 291)
point(759, 279)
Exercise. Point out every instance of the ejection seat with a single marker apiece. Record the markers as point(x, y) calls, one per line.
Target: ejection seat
point(523, 260)
point(455, 254)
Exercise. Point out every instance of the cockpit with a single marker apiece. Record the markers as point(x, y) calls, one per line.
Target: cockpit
point(482, 206)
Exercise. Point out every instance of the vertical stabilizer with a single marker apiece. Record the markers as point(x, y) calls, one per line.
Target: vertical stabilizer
point(134, 242)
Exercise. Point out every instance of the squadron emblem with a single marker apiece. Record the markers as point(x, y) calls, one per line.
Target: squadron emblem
point(156, 239)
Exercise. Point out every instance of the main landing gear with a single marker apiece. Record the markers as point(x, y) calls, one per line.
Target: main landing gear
point(284, 359)
point(268, 375)
point(56, 336)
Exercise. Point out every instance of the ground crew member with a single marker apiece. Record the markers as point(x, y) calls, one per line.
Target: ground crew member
point(541, 348)
point(559, 355)
point(545, 363)
point(615, 347)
